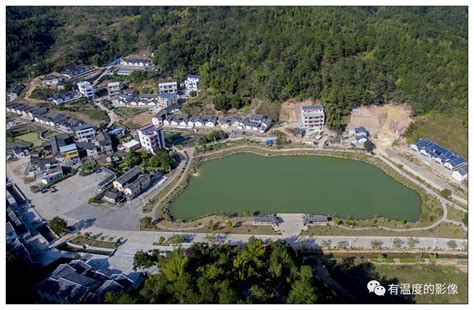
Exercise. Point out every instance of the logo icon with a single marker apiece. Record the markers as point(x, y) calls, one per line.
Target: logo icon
point(375, 287)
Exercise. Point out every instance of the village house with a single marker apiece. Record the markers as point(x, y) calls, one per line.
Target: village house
point(192, 82)
point(63, 148)
point(85, 133)
point(151, 137)
point(63, 98)
point(52, 176)
point(168, 88)
point(358, 136)
point(15, 92)
point(69, 154)
point(312, 117)
point(44, 116)
point(37, 111)
point(86, 89)
point(75, 71)
point(113, 89)
point(226, 122)
point(207, 121)
point(460, 173)
point(136, 62)
point(41, 163)
point(316, 220)
point(87, 149)
point(265, 220)
point(178, 120)
point(126, 97)
point(67, 124)
point(132, 145)
point(112, 196)
point(257, 122)
point(104, 143)
point(78, 282)
point(133, 182)
point(438, 153)
point(167, 99)
point(159, 117)
point(192, 120)
point(51, 80)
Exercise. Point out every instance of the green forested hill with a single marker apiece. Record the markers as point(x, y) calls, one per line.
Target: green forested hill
point(344, 56)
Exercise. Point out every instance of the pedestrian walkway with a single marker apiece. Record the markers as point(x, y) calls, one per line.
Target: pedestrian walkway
point(292, 224)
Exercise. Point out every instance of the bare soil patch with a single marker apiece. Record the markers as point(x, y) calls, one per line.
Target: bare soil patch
point(386, 122)
point(290, 110)
point(138, 120)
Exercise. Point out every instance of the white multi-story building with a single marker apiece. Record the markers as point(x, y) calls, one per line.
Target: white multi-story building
point(86, 89)
point(85, 133)
point(192, 82)
point(312, 117)
point(113, 88)
point(169, 88)
point(151, 137)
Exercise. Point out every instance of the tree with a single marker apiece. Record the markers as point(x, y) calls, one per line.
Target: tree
point(143, 260)
point(133, 159)
point(221, 103)
point(445, 193)
point(58, 225)
point(452, 244)
point(397, 242)
point(342, 244)
point(376, 244)
point(412, 242)
point(369, 146)
point(119, 298)
point(302, 291)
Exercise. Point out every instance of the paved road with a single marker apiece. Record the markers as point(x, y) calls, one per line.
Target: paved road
point(146, 239)
point(292, 224)
point(113, 117)
point(185, 164)
point(406, 164)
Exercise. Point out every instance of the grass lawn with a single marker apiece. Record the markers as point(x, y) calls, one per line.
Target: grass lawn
point(128, 111)
point(83, 110)
point(49, 134)
point(244, 229)
point(31, 137)
point(429, 274)
point(83, 240)
point(445, 230)
point(447, 130)
point(456, 215)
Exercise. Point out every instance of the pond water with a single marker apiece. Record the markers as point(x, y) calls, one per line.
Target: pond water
point(300, 184)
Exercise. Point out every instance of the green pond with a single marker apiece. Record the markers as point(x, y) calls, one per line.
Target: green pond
point(300, 184)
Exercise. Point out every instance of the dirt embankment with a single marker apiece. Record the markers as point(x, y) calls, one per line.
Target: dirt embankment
point(29, 88)
point(290, 110)
point(385, 123)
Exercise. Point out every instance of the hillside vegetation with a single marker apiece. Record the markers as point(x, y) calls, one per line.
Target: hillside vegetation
point(343, 56)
